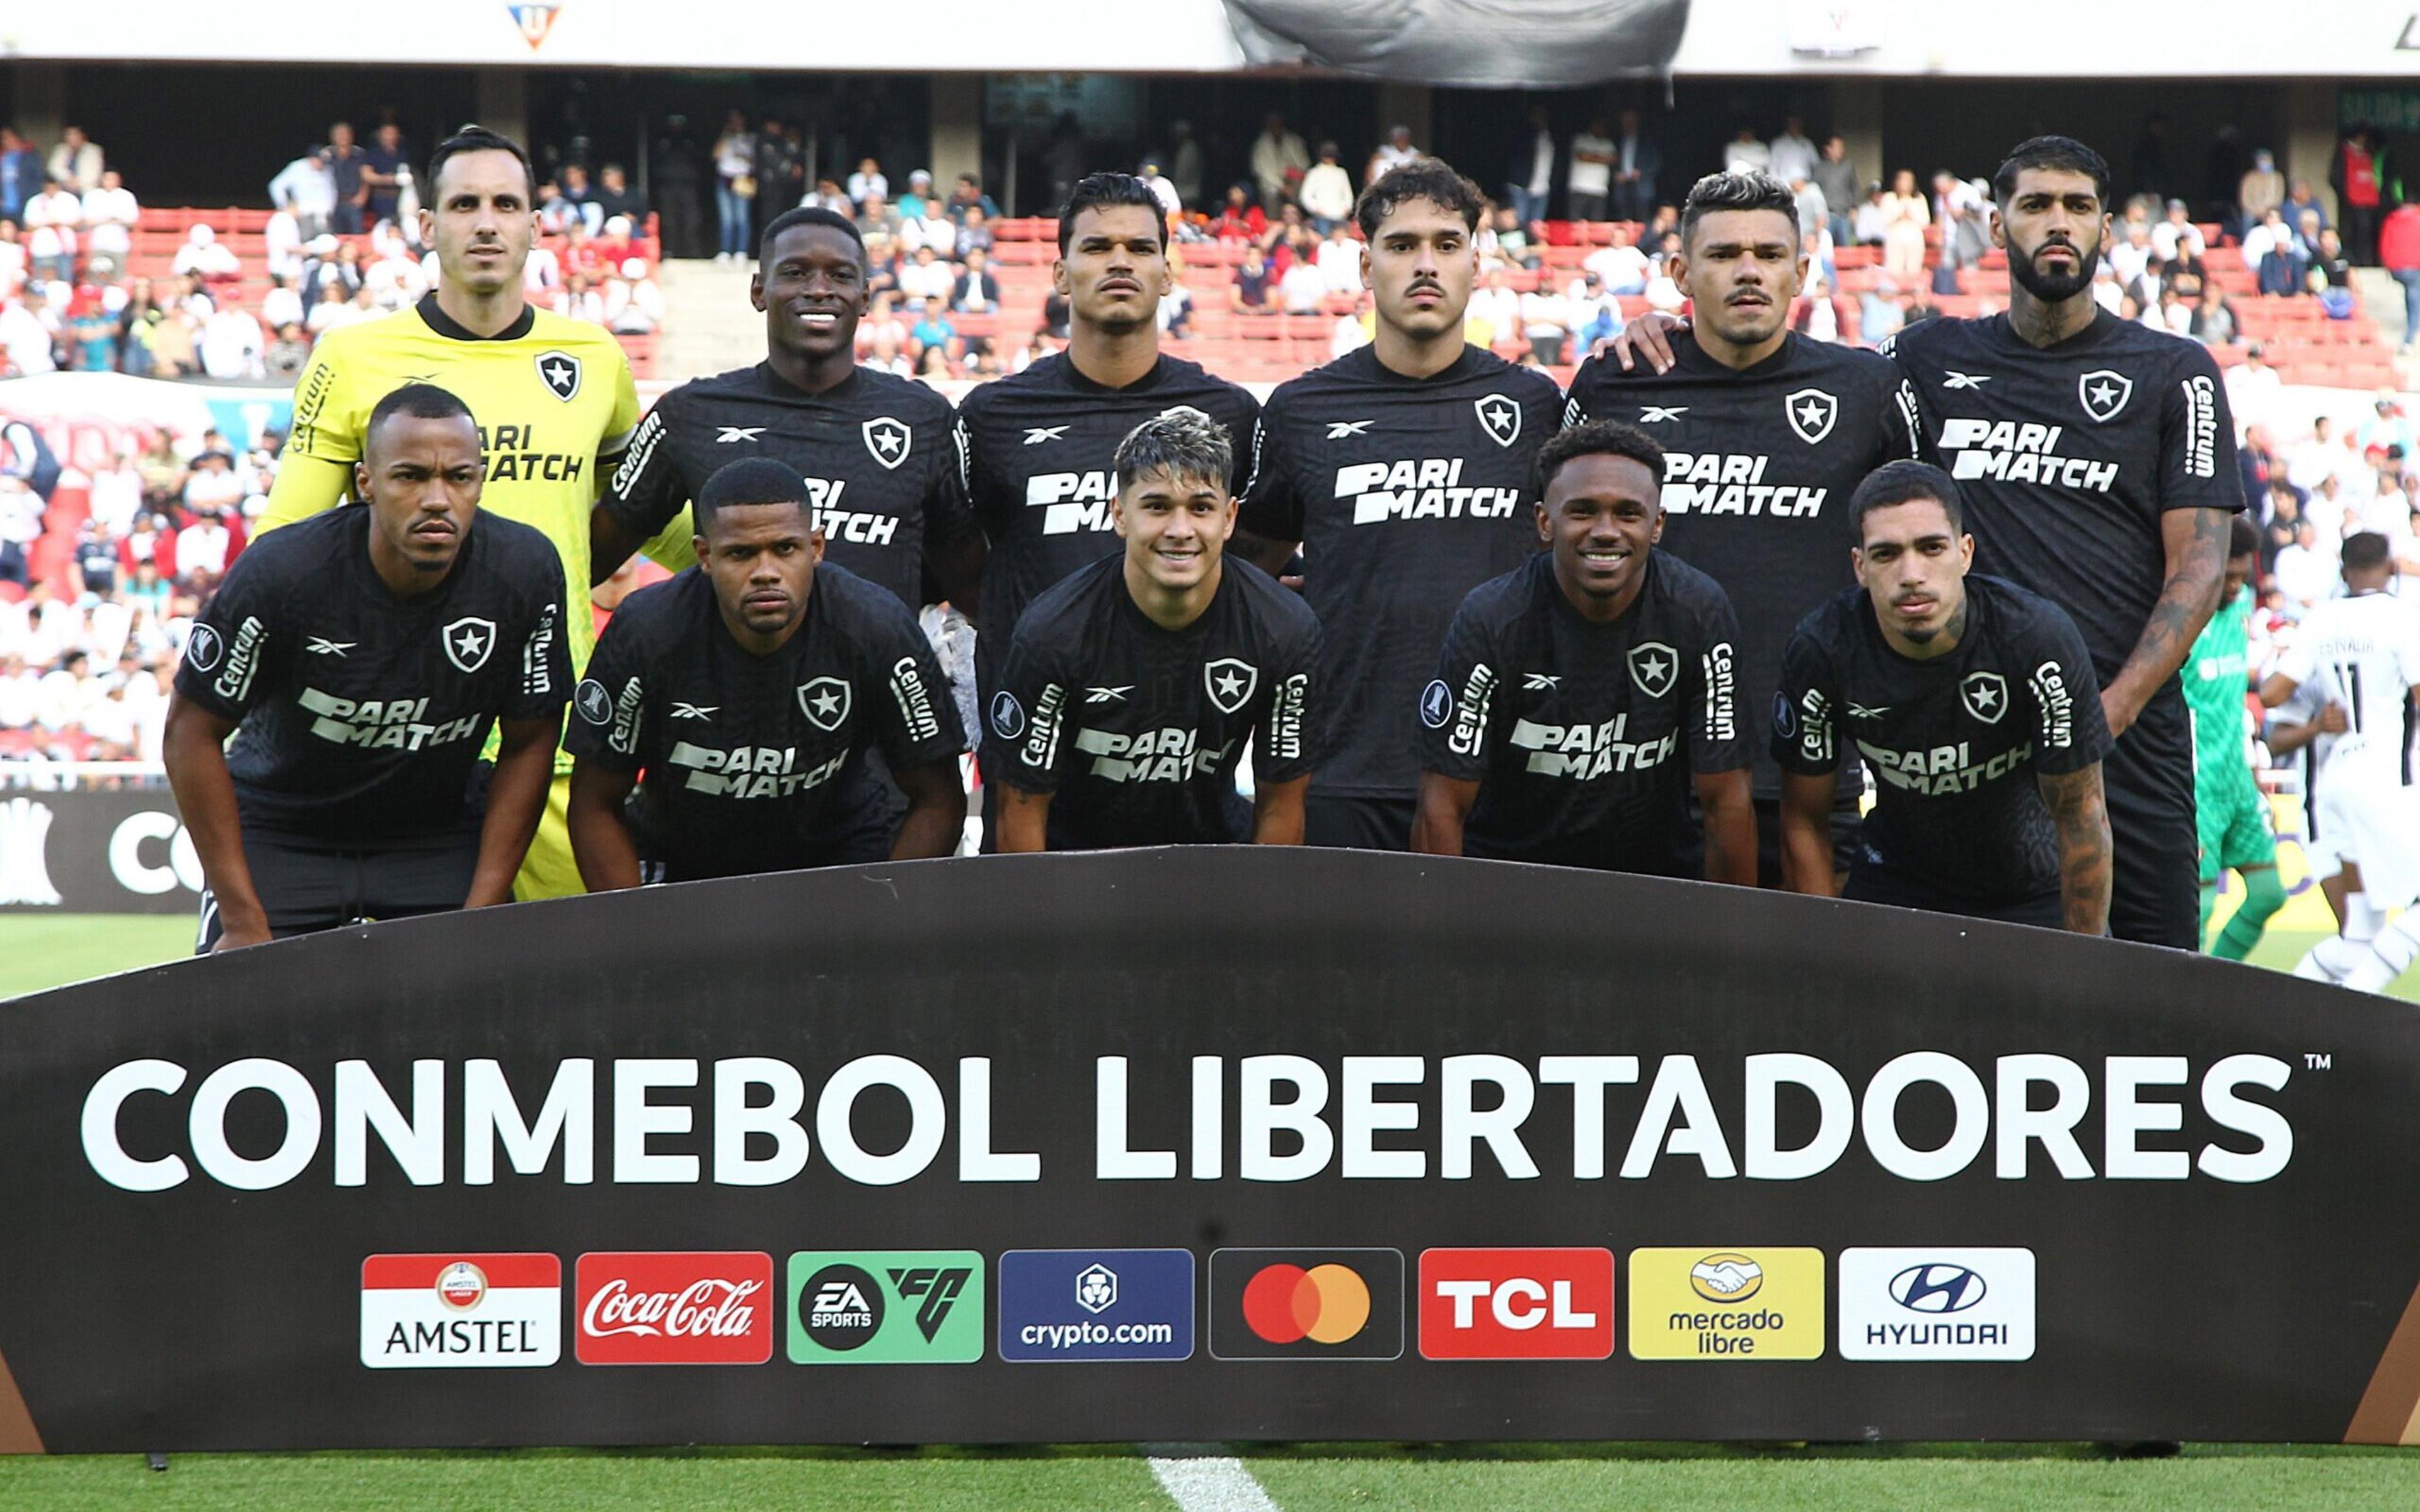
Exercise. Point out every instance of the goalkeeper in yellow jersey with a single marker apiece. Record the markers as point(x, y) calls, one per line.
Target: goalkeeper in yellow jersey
point(552, 398)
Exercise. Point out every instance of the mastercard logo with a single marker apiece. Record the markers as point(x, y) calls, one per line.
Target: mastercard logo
point(1325, 1304)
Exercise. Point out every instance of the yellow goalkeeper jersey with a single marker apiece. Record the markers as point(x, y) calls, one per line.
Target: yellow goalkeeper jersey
point(553, 401)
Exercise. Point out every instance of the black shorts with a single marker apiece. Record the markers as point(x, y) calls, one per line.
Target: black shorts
point(1346, 824)
point(1847, 826)
point(2155, 872)
point(1872, 883)
point(307, 886)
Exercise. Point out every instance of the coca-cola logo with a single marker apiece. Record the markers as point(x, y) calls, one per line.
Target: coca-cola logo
point(709, 1306)
point(675, 1308)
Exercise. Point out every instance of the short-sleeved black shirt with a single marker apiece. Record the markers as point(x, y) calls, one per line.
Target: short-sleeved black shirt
point(1405, 494)
point(1583, 736)
point(746, 757)
point(1137, 730)
point(876, 451)
point(1955, 743)
point(1036, 448)
point(363, 715)
point(1759, 466)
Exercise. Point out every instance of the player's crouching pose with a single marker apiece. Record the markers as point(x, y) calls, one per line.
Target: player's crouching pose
point(1130, 690)
point(744, 689)
point(361, 658)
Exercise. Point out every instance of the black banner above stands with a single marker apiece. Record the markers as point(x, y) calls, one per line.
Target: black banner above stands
point(96, 851)
point(1246, 1144)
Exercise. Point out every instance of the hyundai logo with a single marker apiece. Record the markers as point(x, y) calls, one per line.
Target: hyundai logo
point(1938, 1289)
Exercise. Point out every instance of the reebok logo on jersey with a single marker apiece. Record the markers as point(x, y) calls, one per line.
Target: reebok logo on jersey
point(1655, 414)
point(1500, 416)
point(1168, 755)
point(1339, 429)
point(888, 439)
point(391, 724)
point(750, 771)
point(915, 703)
point(1858, 711)
point(1582, 752)
point(468, 640)
point(1107, 695)
point(1422, 489)
point(320, 645)
point(1721, 483)
point(680, 711)
point(1955, 379)
point(2020, 452)
point(1811, 413)
point(560, 372)
point(1537, 682)
point(726, 435)
point(1039, 434)
point(1074, 502)
point(2103, 393)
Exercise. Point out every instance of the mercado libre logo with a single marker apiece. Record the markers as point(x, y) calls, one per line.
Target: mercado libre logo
point(1307, 1304)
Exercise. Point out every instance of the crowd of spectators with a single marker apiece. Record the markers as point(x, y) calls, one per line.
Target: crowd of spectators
point(340, 244)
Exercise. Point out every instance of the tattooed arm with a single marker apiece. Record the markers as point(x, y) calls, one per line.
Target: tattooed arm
point(2074, 802)
point(2197, 541)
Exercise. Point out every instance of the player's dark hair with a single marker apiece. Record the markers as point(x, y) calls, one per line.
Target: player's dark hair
point(2242, 537)
point(809, 215)
point(752, 480)
point(1107, 191)
point(421, 401)
point(2063, 154)
point(2365, 551)
point(1598, 438)
point(1737, 192)
point(476, 138)
point(1429, 178)
point(1904, 483)
point(1182, 444)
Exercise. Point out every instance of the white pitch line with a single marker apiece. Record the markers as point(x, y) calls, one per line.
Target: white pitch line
point(1210, 1484)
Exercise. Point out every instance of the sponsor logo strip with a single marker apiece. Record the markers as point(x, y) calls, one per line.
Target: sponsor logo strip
point(1516, 1303)
point(423, 1312)
point(886, 1306)
point(1096, 1304)
point(1938, 1302)
point(1719, 1304)
point(1306, 1304)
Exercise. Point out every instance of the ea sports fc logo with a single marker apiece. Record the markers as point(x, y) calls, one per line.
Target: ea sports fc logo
point(462, 1285)
point(1326, 1303)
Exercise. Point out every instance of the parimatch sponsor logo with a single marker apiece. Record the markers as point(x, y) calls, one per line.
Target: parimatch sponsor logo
point(1422, 489)
point(1935, 770)
point(423, 1312)
point(1072, 503)
point(1585, 751)
point(1735, 1304)
point(886, 1306)
point(391, 724)
point(1724, 483)
point(1938, 1302)
point(2007, 451)
point(1307, 1304)
point(750, 771)
point(1168, 755)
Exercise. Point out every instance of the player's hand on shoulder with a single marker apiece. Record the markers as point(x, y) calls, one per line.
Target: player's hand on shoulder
point(1647, 338)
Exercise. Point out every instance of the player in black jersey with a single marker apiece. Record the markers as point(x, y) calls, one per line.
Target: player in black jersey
point(1972, 700)
point(1038, 448)
point(1131, 688)
point(2098, 461)
point(1406, 471)
point(1581, 696)
point(875, 449)
point(1765, 432)
point(361, 658)
point(744, 689)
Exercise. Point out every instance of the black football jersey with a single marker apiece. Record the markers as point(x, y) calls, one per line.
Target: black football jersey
point(1405, 494)
point(363, 715)
point(1759, 466)
point(2068, 455)
point(746, 758)
point(1137, 730)
point(1582, 736)
point(1955, 743)
point(875, 449)
point(1035, 452)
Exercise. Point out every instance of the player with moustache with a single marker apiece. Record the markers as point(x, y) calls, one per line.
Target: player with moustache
point(2098, 462)
point(1133, 688)
point(875, 449)
point(1406, 473)
point(1584, 696)
point(1971, 701)
point(359, 660)
point(737, 697)
point(1765, 432)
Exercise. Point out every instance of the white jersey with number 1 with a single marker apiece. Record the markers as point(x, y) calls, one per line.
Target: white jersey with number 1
point(2364, 652)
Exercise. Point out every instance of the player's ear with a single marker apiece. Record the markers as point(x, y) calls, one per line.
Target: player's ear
point(1655, 531)
point(1965, 552)
point(756, 291)
point(1365, 269)
point(816, 546)
point(1545, 525)
point(697, 548)
point(1999, 229)
point(1058, 277)
point(362, 480)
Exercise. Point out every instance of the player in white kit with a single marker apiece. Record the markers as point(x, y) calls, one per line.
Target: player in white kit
point(2361, 652)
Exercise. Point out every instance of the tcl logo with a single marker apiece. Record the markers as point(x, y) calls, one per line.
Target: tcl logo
point(1516, 1303)
point(706, 1309)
